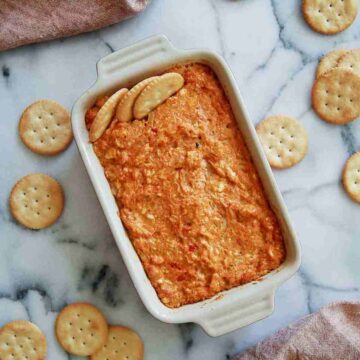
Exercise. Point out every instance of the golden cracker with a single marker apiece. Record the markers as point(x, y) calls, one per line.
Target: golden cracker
point(122, 343)
point(351, 176)
point(351, 61)
point(36, 201)
point(45, 127)
point(124, 110)
point(105, 115)
point(336, 96)
point(329, 61)
point(284, 140)
point(329, 16)
point(22, 340)
point(156, 93)
point(81, 329)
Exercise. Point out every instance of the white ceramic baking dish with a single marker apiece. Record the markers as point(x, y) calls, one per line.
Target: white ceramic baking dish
point(239, 306)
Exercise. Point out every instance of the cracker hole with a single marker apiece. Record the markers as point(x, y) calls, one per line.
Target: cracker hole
point(36, 200)
point(25, 205)
point(271, 133)
point(51, 113)
point(351, 100)
point(49, 208)
point(53, 137)
point(327, 20)
point(124, 343)
point(292, 136)
point(38, 213)
point(73, 337)
point(84, 343)
point(270, 147)
point(42, 141)
point(24, 193)
point(35, 188)
point(331, 5)
point(46, 128)
point(39, 117)
point(283, 127)
point(34, 130)
point(58, 124)
point(278, 155)
point(114, 338)
point(81, 329)
point(338, 109)
point(47, 195)
point(290, 150)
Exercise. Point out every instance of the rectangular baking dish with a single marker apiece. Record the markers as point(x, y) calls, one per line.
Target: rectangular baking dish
point(239, 306)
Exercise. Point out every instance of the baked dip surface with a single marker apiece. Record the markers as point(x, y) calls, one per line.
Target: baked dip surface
point(189, 195)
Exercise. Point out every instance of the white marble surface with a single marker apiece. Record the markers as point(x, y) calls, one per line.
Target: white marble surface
point(273, 55)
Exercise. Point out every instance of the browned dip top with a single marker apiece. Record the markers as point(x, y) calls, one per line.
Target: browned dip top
point(189, 194)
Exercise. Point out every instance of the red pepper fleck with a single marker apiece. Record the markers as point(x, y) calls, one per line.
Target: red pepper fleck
point(193, 247)
point(175, 265)
point(155, 130)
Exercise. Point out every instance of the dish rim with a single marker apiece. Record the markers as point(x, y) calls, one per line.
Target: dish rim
point(245, 303)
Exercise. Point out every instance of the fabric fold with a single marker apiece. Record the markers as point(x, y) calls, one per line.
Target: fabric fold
point(331, 333)
point(25, 22)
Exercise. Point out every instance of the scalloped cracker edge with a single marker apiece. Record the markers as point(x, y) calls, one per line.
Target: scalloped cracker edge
point(124, 110)
point(156, 93)
point(105, 115)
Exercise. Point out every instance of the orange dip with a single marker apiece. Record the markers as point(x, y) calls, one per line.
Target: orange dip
point(189, 195)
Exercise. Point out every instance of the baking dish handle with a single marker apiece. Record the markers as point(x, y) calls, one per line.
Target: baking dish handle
point(238, 315)
point(132, 58)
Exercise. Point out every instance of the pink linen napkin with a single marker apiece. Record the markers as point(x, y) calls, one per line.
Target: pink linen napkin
point(331, 333)
point(25, 22)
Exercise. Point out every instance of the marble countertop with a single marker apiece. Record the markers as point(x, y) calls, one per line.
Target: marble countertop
point(273, 55)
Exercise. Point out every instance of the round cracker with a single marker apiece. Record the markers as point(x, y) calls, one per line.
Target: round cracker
point(351, 176)
point(351, 60)
point(122, 343)
point(329, 16)
point(81, 329)
point(329, 61)
point(336, 96)
point(284, 139)
point(22, 340)
point(45, 127)
point(124, 110)
point(36, 201)
point(105, 115)
point(156, 93)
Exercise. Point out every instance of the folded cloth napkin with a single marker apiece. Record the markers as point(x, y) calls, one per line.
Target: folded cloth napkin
point(331, 333)
point(25, 22)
